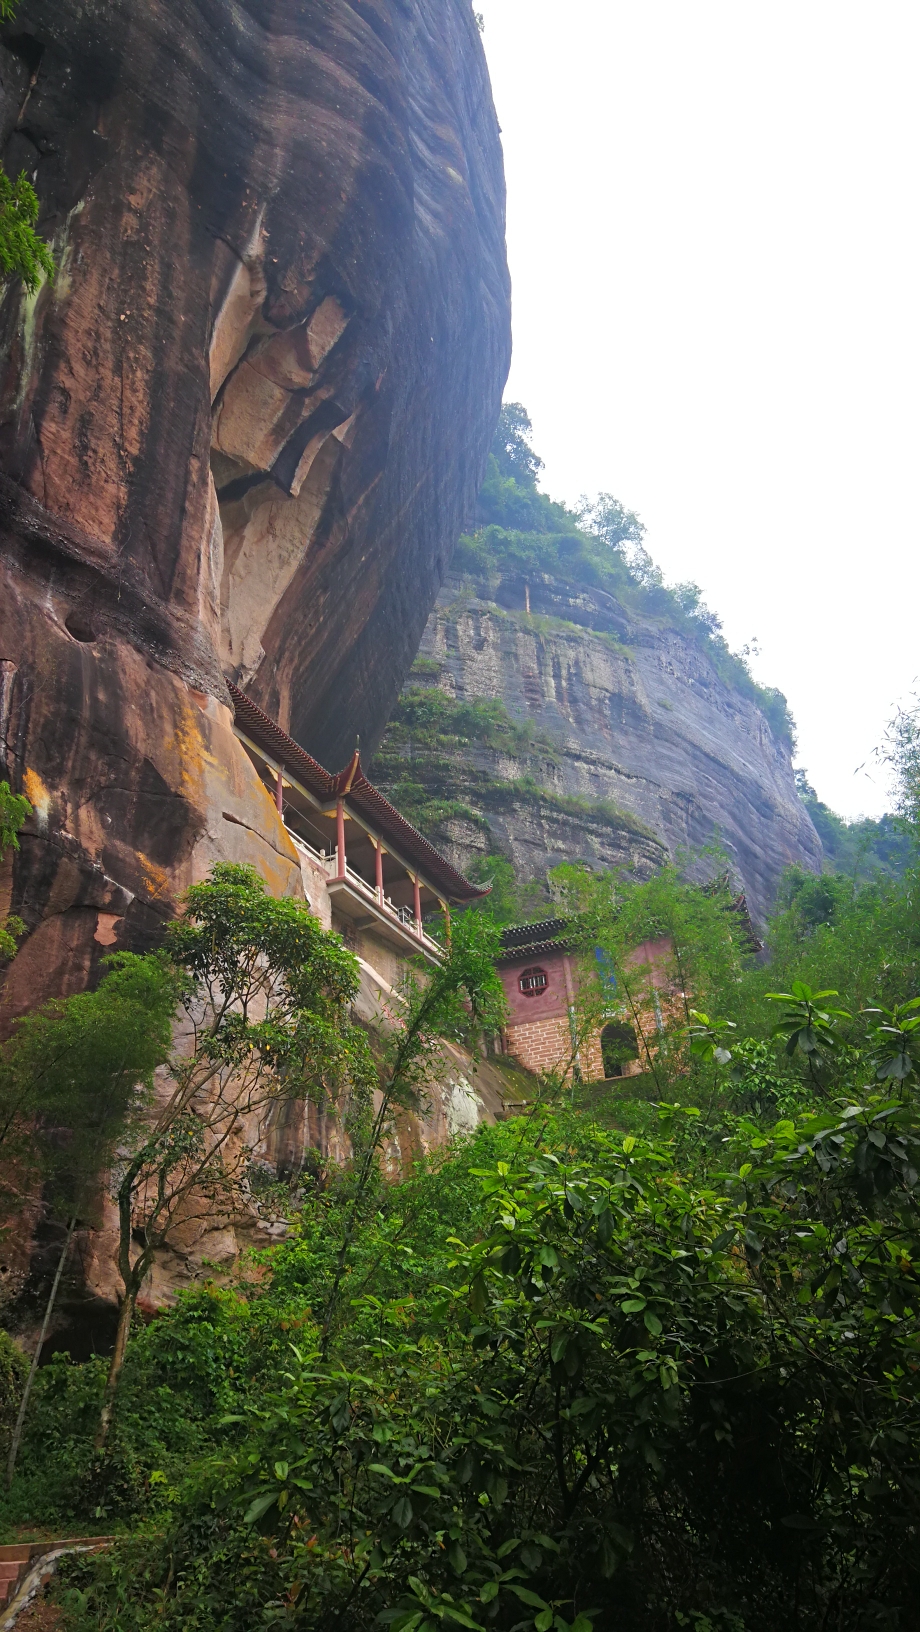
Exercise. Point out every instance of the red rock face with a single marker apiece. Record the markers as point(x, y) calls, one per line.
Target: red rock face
point(240, 433)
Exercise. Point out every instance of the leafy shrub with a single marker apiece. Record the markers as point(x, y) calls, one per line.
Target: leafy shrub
point(13, 1371)
point(635, 1398)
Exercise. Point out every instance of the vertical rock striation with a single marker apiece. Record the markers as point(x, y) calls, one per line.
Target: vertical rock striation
point(240, 433)
point(616, 742)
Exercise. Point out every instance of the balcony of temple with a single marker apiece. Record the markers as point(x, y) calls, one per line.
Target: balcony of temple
point(366, 870)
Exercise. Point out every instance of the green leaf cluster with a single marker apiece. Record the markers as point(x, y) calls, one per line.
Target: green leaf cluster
point(14, 808)
point(76, 1074)
point(661, 1373)
point(620, 1366)
point(22, 253)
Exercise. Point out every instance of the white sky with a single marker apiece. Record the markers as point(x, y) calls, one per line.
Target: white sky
point(714, 245)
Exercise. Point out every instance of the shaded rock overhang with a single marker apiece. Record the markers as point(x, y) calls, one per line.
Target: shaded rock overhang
point(239, 433)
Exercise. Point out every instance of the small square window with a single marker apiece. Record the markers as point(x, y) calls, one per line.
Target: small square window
point(532, 981)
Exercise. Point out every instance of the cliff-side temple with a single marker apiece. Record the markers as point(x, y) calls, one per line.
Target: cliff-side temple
point(366, 871)
point(239, 432)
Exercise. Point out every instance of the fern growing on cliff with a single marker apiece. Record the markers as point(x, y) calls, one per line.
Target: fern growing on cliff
point(14, 808)
point(22, 253)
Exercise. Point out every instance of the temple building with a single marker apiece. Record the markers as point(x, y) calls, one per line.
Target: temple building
point(367, 872)
point(370, 876)
point(540, 972)
point(543, 966)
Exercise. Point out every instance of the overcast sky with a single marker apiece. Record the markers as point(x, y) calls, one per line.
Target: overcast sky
point(714, 246)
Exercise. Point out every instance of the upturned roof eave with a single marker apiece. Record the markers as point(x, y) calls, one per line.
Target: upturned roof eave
point(353, 788)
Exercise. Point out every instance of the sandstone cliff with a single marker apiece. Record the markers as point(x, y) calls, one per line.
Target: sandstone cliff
point(240, 432)
point(546, 722)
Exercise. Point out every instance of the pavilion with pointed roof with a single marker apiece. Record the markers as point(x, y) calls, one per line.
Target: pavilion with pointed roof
point(381, 874)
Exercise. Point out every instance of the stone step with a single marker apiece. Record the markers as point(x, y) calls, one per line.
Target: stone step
point(17, 1558)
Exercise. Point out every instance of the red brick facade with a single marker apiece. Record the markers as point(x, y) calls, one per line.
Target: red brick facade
point(539, 1031)
point(541, 975)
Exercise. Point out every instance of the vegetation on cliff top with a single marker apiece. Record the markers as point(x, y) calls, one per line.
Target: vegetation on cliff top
point(421, 759)
point(599, 545)
point(858, 848)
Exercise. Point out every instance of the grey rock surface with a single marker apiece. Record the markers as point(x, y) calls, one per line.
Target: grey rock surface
point(636, 721)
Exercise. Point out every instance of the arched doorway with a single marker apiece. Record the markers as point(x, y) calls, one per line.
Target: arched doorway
point(618, 1047)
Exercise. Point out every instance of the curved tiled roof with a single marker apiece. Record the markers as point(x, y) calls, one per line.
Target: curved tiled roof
point(353, 787)
point(529, 940)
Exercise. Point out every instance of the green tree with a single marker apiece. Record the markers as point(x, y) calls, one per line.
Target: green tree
point(697, 953)
point(807, 1027)
point(461, 999)
point(634, 1399)
point(265, 1000)
point(610, 521)
point(902, 752)
point(71, 1078)
point(598, 544)
point(511, 445)
point(22, 253)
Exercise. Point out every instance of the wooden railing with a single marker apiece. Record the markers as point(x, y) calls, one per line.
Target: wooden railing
point(403, 915)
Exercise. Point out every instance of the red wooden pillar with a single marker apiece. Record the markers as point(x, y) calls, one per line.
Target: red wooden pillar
point(378, 871)
point(340, 839)
point(446, 921)
point(417, 903)
point(279, 792)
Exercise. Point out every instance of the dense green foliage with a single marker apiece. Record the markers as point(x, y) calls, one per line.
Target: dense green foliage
point(653, 1367)
point(599, 545)
point(14, 808)
point(858, 848)
point(576, 1383)
point(22, 253)
point(510, 900)
point(75, 1079)
point(264, 995)
point(653, 1374)
point(77, 1064)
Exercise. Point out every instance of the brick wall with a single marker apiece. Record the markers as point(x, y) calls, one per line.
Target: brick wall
point(546, 1045)
point(592, 1063)
point(540, 1045)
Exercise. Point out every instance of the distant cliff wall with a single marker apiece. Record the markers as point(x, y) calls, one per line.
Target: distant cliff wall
point(240, 432)
point(614, 740)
